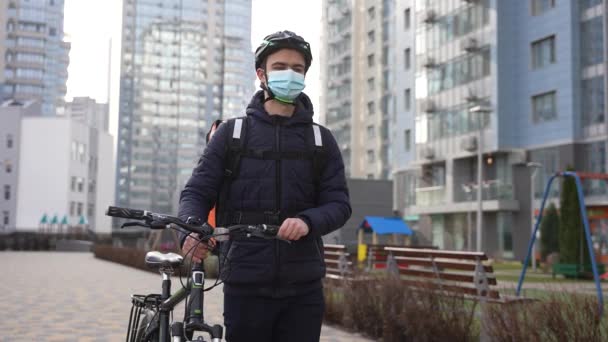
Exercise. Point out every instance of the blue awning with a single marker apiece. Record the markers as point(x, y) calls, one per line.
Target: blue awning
point(385, 225)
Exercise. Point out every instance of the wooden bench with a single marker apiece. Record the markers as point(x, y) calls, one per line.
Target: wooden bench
point(449, 272)
point(338, 263)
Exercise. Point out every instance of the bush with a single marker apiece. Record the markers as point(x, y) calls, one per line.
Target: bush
point(385, 308)
point(560, 317)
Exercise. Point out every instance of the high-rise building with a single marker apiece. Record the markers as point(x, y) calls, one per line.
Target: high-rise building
point(57, 171)
point(34, 54)
point(536, 70)
point(357, 79)
point(239, 70)
point(172, 87)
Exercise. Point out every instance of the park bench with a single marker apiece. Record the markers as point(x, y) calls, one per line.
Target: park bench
point(448, 272)
point(338, 263)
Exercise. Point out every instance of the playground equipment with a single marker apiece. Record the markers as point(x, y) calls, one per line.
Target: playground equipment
point(579, 188)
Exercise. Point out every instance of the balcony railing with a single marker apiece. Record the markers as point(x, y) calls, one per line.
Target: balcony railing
point(491, 190)
point(434, 195)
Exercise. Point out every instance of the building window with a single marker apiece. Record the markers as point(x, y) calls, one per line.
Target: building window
point(585, 4)
point(73, 184)
point(407, 19)
point(8, 167)
point(592, 41)
point(371, 132)
point(371, 13)
point(385, 55)
point(9, 141)
point(80, 183)
point(371, 36)
point(407, 58)
point(72, 208)
point(593, 101)
point(541, 6)
point(370, 60)
point(5, 218)
point(371, 108)
point(543, 52)
point(90, 210)
point(7, 192)
point(52, 31)
point(544, 107)
point(79, 209)
point(371, 84)
point(81, 153)
point(408, 139)
point(371, 156)
point(74, 151)
point(407, 97)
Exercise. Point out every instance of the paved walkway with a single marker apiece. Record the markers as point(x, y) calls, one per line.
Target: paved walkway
point(55, 296)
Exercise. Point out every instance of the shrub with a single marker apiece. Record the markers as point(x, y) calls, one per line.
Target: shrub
point(549, 232)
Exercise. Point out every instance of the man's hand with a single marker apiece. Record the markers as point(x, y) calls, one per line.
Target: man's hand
point(293, 229)
point(201, 251)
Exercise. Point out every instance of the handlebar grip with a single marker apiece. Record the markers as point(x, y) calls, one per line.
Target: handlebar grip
point(127, 213)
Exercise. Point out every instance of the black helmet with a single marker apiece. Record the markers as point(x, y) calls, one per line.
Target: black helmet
point(282, 40)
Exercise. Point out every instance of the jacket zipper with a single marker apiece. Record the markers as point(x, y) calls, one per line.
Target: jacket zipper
point(277, 137)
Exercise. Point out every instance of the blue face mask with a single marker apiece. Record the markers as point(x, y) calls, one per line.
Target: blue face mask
point(286, 85)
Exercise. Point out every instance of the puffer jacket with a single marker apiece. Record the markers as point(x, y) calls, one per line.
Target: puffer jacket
point(272, 267)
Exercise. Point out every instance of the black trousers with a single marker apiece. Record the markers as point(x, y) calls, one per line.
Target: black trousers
point(264, 319)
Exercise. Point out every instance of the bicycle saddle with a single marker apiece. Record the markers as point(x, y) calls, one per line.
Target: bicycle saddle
point(156, 259)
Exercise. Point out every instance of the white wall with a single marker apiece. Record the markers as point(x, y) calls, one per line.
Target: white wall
point(44, 175)
point(105, 183)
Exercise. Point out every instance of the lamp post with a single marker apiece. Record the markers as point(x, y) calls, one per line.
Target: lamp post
point(480, 111)
point(469, 191)
point(534, 166)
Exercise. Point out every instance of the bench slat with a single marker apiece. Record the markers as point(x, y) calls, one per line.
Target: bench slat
point(433, 253)
point(442, 275)
point(462, 266)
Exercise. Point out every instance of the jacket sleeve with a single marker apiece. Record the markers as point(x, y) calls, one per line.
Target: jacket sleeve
point(334, 204)
point(201, 191)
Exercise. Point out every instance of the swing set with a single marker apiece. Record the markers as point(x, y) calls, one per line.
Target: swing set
point(579, 188)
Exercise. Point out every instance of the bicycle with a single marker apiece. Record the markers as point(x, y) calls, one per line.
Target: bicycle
point(149, 319)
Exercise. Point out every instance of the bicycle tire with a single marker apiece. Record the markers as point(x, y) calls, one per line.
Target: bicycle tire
point(147, 329)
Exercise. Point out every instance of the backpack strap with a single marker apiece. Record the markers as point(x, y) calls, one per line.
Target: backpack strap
point(235, 143)
point(319, 159)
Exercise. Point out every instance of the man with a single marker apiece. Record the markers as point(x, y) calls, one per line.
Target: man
point(289, 173)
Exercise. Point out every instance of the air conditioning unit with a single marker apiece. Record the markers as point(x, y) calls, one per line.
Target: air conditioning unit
point(470, 45)
point(428, 106)
point(469, 144)
point(430, 17)
point(428, 153)
point(430, 63)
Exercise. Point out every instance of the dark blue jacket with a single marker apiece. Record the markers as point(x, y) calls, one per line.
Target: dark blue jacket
point(272, 267)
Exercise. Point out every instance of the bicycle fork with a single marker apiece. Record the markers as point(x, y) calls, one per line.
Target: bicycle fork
point(196, 321)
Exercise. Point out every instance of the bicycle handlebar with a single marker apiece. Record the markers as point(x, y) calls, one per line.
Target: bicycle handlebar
point(161, 221)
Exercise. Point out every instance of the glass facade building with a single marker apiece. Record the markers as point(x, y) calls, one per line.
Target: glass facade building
point(34, 56)
point(173, 85)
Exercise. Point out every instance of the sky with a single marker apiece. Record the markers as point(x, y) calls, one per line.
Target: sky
point(91, 24)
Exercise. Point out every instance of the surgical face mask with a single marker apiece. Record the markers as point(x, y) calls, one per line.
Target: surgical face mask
point(286, 85)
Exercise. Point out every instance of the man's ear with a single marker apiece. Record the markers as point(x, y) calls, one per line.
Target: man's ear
point(261, 75)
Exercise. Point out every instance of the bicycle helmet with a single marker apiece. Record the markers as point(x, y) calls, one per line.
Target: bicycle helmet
point(282, 40)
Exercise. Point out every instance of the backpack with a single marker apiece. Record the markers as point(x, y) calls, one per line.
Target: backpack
point(236, 149)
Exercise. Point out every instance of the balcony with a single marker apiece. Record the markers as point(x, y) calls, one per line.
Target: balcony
point(492, 190)
point(430, 196)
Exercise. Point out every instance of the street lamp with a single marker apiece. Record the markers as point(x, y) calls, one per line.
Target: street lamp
point(480, 111)
point(534, 166)
point(469, 191)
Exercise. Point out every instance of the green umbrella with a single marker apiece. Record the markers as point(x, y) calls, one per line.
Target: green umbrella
point(55, 220)
point(44, 219)
point(64, 220)
point(82, 221)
